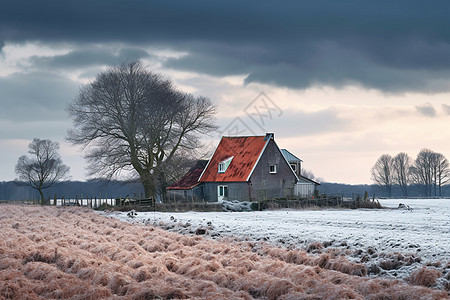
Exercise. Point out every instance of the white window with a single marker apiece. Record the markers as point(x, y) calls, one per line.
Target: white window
point(272, 169)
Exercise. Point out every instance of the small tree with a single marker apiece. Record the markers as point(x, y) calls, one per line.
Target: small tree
point(382, 173)
point(44, 168)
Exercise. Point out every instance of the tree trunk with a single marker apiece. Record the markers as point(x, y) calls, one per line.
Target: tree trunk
point(42, 196)
point(149, 187)
point(162, 185)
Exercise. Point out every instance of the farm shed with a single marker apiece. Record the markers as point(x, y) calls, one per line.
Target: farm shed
point(304, 186)
point(188, 188)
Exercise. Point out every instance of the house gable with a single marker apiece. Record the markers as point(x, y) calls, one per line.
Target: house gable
point(272, 176)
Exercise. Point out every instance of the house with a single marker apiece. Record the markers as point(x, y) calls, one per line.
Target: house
point(304, 186)
point(243, 168)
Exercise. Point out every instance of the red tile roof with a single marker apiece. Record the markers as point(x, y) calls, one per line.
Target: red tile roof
point(189, 180)
point(246, 151)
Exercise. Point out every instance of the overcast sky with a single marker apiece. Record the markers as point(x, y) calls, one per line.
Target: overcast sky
point(339, 82)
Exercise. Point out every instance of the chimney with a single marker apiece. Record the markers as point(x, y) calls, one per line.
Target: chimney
point(269, 136)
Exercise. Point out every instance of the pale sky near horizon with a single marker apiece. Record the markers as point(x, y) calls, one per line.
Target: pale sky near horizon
point(339, 82)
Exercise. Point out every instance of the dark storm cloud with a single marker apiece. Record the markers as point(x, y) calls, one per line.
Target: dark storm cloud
point(89, 57)
point(35, 96)
point(393, 46)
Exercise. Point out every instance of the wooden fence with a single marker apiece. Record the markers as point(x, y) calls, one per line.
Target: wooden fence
point(171, 204)
point(91, 202)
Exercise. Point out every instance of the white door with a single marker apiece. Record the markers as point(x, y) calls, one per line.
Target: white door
point(222, 192)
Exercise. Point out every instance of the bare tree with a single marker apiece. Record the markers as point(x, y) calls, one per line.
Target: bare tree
point(401, 174)
point(382, 173)
point(44, 168)
point(441, 172)
point(425, 169)
point(130, 118)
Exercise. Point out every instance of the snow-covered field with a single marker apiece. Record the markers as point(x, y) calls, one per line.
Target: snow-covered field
point(392, 242)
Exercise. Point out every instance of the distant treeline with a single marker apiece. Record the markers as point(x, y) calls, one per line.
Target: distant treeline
point(73, 189)
point(113, 189)
point(348, 190)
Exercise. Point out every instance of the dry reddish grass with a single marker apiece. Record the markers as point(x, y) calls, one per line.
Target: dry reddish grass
point(424, 276)
point(54, 252)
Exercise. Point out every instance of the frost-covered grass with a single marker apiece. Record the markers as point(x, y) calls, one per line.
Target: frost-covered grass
point(61, 252)
point(391, 242)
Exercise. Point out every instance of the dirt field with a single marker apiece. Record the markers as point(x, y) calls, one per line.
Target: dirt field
point(56, 252)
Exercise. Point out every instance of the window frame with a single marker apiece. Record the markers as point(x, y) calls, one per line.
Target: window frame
point(224, 164)
point(294, 167)
point(222, 192)
point(221, 167)
point(274, 171)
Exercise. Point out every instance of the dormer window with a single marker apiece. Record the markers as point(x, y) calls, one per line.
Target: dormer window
point(223, 165)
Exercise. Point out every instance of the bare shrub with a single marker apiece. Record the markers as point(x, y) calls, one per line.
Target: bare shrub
point(118, 284)
point(343, 265)
point(86, 274)
point(279, 288)
point(425, 276)
point(135, 264)
point(323, 260)
point(314, 246)
point(45, 258)
point(8, 263)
